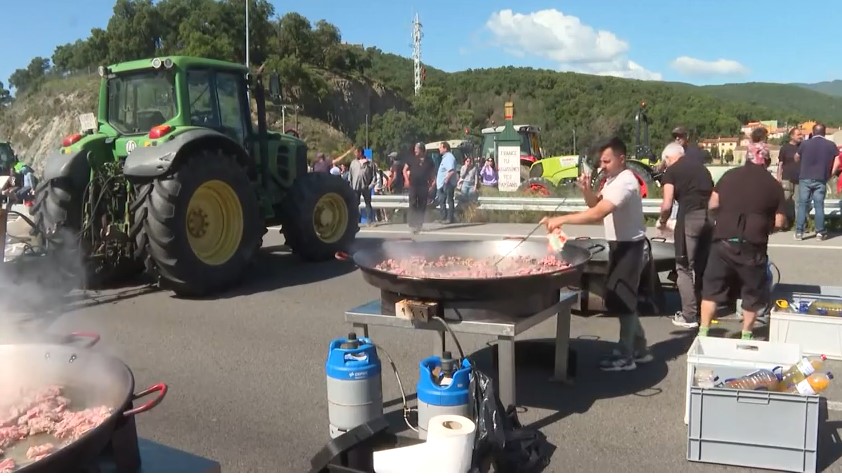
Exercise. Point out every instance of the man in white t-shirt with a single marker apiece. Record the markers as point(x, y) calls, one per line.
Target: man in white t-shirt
point(620, 208)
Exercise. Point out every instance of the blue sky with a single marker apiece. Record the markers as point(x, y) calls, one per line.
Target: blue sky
point(696, 42)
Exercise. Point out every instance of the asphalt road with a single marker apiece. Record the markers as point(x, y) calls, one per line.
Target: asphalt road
point(246, 375)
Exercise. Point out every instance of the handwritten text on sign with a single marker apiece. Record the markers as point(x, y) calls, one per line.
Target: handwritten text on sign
point(508, 168)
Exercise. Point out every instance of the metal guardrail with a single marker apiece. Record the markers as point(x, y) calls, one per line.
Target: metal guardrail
point(651, 206)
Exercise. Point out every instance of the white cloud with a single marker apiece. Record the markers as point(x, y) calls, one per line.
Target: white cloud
point(567, 41)
point(696, 67)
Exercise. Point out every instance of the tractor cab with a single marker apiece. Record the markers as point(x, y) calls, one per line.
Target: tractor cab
point(461, 149)
point(531, 150)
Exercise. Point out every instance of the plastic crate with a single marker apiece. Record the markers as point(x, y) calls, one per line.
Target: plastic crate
point(816, 335)
point(720, 354)
point(766, 430)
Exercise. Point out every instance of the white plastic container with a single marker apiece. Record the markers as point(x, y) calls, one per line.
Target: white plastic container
point(714, 352)
point(816, 335)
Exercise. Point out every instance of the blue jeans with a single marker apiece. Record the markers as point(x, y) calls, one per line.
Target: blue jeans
point(815, 191)
point(446, 197)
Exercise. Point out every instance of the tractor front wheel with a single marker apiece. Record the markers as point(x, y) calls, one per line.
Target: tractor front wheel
point(201, 224)
point(321, 216)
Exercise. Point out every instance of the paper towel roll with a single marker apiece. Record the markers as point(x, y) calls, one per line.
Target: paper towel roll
point(448, 449)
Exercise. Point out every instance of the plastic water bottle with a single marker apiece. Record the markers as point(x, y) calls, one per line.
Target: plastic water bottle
point(813, 385)
point(801, 371)
point(759, 380)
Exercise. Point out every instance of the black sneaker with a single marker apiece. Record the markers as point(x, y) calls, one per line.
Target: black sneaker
point(681, 321)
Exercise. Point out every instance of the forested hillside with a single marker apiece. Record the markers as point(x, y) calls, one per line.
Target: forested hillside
point(337, 86)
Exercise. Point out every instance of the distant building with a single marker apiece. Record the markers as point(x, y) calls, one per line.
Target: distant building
point(723, 144)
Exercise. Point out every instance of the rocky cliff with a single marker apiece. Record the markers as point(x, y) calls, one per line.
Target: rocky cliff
point(35, 124)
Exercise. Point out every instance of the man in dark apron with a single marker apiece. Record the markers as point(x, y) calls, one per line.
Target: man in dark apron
point(620, 208)
point(749, 205)
point(690, 183)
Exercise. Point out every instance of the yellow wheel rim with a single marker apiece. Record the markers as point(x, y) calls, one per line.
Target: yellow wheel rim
point(330, 217)
point(214, 222)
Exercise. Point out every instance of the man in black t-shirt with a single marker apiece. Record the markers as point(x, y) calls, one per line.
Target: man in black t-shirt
point(750, 206)
point(788, 170)
point(419, 173)
point(688, 182)
point(396, 178)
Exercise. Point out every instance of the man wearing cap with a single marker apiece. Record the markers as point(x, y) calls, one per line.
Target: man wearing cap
point(691, 151)
point(396, 182)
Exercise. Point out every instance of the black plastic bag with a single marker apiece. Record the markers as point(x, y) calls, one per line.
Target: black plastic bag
point(502, 444)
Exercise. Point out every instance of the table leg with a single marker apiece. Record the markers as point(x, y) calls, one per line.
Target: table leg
point(562, 346)
point(361, 330)
point(506, 370)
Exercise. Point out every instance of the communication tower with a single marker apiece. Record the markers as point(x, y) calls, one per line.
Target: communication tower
point(416, 53)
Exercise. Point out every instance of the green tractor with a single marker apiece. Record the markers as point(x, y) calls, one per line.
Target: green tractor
point(530, 146)
point(547, 176)
point(171, 177)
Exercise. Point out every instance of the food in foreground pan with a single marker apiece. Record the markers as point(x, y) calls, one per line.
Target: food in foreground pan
point(44, 414)
point(454, 267)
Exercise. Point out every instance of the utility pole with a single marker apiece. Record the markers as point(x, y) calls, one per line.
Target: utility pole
point(248, 63)
point(574, 140)
point(416, 52)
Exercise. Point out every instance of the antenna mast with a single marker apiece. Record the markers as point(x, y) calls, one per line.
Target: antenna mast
point(416, 52)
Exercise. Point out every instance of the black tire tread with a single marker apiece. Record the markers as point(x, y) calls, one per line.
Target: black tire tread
point(298, 210)
point(163, 214)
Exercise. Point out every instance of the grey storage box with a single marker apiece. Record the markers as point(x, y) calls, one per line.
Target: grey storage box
point(767, 430)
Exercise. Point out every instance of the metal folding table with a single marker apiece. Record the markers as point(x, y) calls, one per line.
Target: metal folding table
point(504, 329)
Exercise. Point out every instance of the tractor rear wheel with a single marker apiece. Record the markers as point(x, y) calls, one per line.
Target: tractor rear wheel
point(58, 217)
point(321, 216)
point(202, 224)
point(644, 180)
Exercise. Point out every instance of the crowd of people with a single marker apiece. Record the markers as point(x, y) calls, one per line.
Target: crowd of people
point(721, 230)
point(444, 185)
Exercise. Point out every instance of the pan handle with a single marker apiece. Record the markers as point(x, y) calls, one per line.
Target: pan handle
point(342, 256)
point(93, 336)
point(161, 388)
point(596, 248)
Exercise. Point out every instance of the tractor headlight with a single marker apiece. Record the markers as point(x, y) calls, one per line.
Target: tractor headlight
point(101, 70)
point(156, 63)
point(168, 63)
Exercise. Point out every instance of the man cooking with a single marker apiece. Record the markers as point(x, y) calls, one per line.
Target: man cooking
point(620, 208)
point(689, 182)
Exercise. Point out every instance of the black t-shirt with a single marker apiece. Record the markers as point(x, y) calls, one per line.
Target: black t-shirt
point(817, 155)
point(420, 171)
point(749, 198)
point(397, 174)
point(789, 167)
point(692, 182)
point(692, 151)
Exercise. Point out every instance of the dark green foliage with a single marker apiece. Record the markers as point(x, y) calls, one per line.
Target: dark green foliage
point(303, 52)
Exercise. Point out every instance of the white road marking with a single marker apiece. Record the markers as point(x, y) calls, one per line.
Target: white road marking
point(834, 406)
point(515, 234)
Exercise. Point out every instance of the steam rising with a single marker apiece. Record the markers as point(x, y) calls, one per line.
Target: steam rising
point(34, 285)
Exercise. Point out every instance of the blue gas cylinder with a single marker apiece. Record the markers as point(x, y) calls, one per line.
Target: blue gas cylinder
point(354, 385)
point(446, 394)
